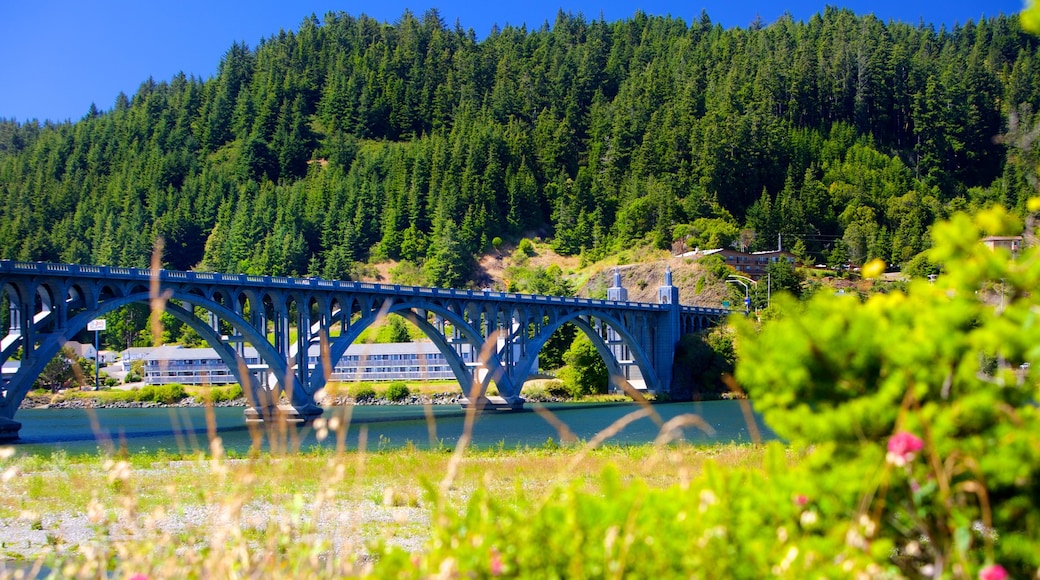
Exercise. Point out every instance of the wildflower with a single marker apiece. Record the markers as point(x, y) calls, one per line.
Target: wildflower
point(902, 447)
point(139, 576)
point(708, 499)
point(496, 563)
point(808, 518)
point(993, 572)
point(873, 269)
point(800, 499)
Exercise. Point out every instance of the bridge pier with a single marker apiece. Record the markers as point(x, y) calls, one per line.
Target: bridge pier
point(286, 413)
point(9, 429)
point(494, 404)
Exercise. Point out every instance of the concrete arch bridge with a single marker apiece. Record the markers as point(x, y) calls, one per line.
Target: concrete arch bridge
point(487, 337)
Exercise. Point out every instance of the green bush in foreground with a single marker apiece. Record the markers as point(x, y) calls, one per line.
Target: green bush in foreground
point(921, 407)
point(725, 524)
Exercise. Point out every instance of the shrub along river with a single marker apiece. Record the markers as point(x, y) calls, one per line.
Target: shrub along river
point(184, 429)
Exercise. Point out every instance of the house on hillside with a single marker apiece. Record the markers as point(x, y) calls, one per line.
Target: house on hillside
point(1009, 243)
point(750, 264)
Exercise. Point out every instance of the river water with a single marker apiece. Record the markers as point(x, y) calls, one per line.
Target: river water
point(185, 430)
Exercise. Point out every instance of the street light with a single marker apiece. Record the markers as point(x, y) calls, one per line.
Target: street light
point(743, 281)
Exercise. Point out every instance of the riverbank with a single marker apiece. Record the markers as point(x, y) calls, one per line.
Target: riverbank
point(86, 402)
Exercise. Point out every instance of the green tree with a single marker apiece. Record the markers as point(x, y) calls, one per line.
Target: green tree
point(585, 372)
point(58, 372)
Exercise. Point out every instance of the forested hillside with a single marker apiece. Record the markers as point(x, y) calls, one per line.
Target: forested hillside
point(350, 141)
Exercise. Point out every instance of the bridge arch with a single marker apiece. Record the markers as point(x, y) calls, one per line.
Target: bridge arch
point(22, 381)
point(580, 318)
point(413, 311)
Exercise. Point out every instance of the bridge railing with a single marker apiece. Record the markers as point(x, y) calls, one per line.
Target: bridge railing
point(146, 274)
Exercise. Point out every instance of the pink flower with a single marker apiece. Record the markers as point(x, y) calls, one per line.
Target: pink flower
point(496, 563)
point(993, 572)
point(800, 499)
point(140, 576)
point(902, 447)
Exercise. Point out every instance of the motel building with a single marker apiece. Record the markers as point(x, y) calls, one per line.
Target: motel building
point(362, 362)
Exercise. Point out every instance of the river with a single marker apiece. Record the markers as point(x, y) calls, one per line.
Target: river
point(184, 429)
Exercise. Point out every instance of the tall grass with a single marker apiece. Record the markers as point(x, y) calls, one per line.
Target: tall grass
point(322, 513)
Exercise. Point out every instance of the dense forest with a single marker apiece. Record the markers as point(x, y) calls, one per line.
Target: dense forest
point(351, 141)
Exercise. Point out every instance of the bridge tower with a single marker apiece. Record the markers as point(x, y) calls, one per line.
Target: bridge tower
point(669, 330)
point(629, 369)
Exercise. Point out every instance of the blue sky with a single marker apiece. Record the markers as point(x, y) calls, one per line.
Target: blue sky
point(57, 57)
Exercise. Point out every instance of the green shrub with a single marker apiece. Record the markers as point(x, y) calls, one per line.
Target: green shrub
point(163, 394)
point(526, 247)
point(942, 366)
point(397, 391)
point(585, 372)
point(557, 389)
point(361, 392)
point(226, 394)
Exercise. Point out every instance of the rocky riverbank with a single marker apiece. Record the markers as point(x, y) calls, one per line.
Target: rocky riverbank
point(47, 402)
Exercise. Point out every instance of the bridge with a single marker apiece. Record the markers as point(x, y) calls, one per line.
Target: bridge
point(487, 337)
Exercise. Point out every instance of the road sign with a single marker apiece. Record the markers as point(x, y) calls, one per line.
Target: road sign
point(725, 303)
point(97, 324)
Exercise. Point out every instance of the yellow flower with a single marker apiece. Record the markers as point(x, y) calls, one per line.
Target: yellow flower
point(873, 269)
point(1034, 202)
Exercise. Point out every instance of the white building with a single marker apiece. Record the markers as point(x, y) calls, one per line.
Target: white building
point(131, 354)
point(191, 366)
point(399, 361)
point(82, 350)
point(361, 362)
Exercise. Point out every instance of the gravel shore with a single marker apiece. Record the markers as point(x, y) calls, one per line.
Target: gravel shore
point(346, 526)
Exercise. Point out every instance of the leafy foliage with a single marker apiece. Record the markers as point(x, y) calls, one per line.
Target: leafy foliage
point(585, 372)
point(945, 362)
point(215, 395)
point(58, 372)
point(701, 361)
point(163, 394)
point(397, 391)
point(362, 392)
